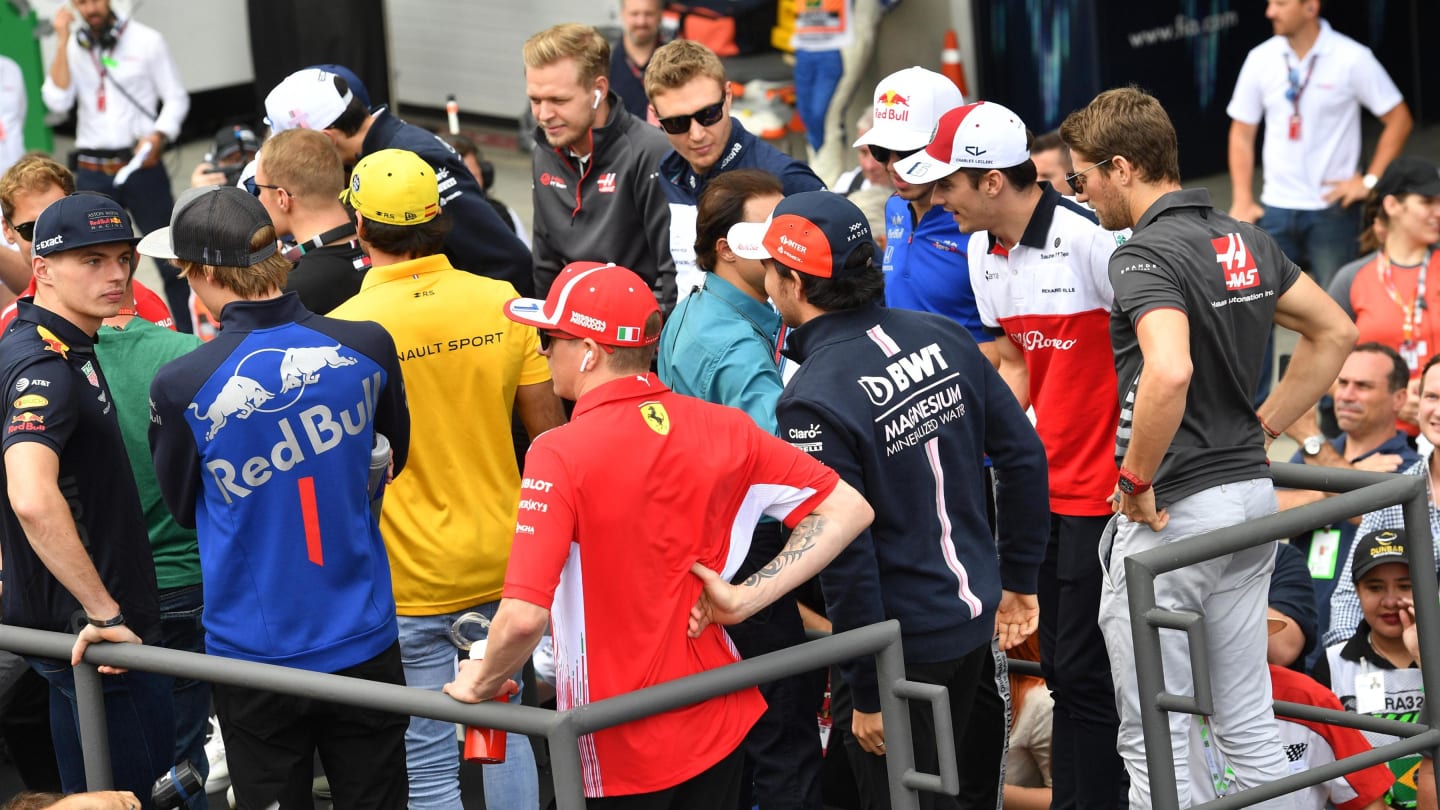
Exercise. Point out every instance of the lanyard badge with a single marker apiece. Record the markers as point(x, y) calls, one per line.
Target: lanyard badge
point(1296, 90)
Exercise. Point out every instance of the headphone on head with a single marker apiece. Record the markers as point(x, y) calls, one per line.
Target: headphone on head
point(595, 105)
point(104, 38)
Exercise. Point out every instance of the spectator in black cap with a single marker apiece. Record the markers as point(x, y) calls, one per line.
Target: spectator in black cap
point(1374, 672)
point(1387, 293)
point(77, 555)
point(234, 146)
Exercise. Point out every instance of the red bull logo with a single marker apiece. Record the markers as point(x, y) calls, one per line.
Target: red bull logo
point(891, 106)
point(26, 421)
point(52, 343)
point(890, 98)
point(101, 222)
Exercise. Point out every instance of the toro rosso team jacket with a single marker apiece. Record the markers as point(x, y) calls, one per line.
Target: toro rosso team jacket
point(903, 405)
point(262, 441)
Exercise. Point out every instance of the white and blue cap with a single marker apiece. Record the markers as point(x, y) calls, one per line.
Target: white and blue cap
point(82, 219)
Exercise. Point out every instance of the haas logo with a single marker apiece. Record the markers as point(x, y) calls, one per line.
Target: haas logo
point(1236, 262)
point(240, 397)
point(302, 366)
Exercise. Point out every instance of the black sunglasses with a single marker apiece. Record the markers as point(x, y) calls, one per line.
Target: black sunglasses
point(707, 116)
point(254, 187)
point(548, 338)
point(26, 230)
point(883, 156)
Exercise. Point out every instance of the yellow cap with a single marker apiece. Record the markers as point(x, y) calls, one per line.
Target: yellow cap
point(394, 186)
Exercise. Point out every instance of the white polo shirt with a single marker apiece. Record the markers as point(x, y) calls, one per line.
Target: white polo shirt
point(1343, 76)
point(1051, 295)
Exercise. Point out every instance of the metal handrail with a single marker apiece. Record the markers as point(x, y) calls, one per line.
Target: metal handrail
point(1360, 492)
point(562, 729)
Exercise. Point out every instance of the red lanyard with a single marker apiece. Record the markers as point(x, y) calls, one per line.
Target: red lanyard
point(100, 69)
point(1415, 311)
point(1296, 90)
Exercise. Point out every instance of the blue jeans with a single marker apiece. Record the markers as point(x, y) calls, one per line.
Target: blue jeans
point(1320, 241)
point(432, 753)
point(147, 195)
point(180, 629)
point(817, 74)
point(138, 717)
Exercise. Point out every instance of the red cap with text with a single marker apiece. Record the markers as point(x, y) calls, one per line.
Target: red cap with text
point(604, 302)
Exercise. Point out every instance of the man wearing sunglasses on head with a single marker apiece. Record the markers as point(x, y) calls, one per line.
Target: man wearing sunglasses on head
point(926, 268)
point(690, 96)
point(27, 188)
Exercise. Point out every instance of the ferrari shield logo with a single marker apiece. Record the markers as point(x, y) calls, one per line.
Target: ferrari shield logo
point(656, 417)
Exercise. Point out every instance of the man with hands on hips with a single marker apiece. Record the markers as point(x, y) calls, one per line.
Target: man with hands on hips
point(619, 554)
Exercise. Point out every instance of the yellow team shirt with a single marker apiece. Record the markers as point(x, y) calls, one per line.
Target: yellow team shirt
point(449, 518)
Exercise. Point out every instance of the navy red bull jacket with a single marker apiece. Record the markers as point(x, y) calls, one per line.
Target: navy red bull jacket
point(262, 441)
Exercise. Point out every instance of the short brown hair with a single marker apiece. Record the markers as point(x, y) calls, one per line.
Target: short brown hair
point(638, 359)
point(31, 800)
point(32, 173)
point(582, 43)
point(676, 63)
point(247, 282)
point(722, 204)
point(306, 164)
point(1130, 123)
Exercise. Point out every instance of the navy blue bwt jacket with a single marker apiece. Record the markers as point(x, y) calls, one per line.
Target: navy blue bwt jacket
point(905, 408)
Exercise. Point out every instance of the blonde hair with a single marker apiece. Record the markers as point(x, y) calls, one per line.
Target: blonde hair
point(676, 63)
point(247, 282)
point(305, 163)
point(582, 43)
point(1130, 123)
point(32, 173)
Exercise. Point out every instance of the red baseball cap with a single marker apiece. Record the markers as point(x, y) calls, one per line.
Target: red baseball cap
point(604, 302)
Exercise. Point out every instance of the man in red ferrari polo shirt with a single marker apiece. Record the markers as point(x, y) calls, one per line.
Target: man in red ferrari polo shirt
point(622, 546)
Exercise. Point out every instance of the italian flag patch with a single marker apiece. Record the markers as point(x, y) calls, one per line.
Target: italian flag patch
point(627, 333)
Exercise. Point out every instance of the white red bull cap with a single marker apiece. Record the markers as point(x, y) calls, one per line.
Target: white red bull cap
point(907, 104)
point(983, 135)
point(604, 302)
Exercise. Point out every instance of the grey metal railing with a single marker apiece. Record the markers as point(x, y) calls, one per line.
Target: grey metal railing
point(1360, 492)
point(562, 729)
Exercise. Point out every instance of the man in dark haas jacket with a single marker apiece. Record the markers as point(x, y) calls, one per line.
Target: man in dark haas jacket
point(262, 440)
point(594, 178)
point(76, 551)
point(691, 98)
point(480, 242)
point(905, 407)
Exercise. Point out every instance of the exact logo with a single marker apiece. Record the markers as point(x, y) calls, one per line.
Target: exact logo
point(1236, 262)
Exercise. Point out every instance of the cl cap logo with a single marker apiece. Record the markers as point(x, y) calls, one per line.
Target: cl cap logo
point(974, 151)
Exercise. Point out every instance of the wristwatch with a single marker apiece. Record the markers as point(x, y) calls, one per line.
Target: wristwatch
point(1369, 181)
point(1132, 484)
point(1312, 444)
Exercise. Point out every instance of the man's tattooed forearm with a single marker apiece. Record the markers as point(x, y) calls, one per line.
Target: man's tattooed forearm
point(801, 541)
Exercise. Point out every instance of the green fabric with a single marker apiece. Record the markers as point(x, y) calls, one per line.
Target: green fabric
point(129, 359)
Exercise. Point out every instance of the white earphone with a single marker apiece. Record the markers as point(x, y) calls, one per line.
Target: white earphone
point(598, 95)
point(585, 361)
